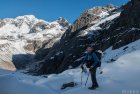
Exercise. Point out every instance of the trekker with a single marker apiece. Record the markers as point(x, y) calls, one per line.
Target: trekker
point(91, 60)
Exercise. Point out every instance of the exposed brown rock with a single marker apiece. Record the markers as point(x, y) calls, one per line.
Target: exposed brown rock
point(90, 15)
point(2, 23)
point(7, 66)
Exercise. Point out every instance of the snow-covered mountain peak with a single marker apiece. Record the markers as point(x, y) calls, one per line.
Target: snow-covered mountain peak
point(28, 23)
point(63, 22)
point(99, 9)
point(111, 6)
point(28, 34)
point(25, 18)
point(94, 14)
point(61, 19)
point(30, 17)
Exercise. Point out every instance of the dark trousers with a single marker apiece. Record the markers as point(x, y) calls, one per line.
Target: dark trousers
point(93, 77)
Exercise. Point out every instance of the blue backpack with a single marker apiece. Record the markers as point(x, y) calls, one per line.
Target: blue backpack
point(99, 56)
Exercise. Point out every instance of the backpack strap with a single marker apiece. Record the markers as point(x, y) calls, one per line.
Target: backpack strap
point(83, 62)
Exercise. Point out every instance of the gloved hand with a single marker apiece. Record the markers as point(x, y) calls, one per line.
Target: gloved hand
point(90, 69)
point(82, 67)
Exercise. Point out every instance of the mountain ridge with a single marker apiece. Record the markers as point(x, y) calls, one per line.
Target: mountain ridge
point(23, 35)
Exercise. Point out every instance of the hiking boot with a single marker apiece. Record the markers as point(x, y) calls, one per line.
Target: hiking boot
point(96, 86)
point(93, 87)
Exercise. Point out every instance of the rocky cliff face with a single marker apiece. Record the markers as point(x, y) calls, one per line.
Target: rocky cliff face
point(101, 27)
point(20, 37)
point(130, 15)
point(124, 30)
point(91, 16)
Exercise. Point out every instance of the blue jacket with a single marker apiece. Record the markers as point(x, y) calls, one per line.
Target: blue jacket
point(91, 56)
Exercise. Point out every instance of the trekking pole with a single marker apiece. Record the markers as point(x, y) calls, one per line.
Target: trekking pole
point(82, 77)
point(87, 78)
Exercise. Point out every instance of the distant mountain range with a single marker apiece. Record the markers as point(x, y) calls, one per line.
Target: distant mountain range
point(24, 35)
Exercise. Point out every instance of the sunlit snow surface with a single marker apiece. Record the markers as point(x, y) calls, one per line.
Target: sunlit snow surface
point(118, 77)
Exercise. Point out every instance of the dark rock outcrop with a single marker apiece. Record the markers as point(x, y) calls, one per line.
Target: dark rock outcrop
point(124, 30)
point(130, 16)
point(63, 22)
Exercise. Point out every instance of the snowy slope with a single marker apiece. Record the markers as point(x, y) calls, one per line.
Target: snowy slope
point(26, 34)
point(118, 77)
point(97, 24)
point(110, 54)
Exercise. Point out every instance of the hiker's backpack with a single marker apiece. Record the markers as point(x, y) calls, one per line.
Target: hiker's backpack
point(99, 55)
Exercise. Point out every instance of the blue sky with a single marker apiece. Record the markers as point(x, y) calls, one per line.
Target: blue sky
point(50, 10)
